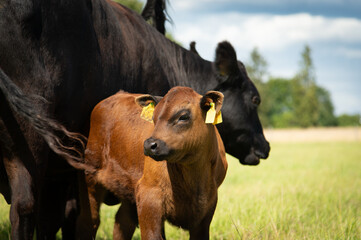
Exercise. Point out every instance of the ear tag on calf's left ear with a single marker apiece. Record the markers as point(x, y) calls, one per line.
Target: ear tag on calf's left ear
point(147, 112)
point(212, 116)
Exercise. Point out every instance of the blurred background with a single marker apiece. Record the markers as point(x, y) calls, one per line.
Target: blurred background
point(303, 55)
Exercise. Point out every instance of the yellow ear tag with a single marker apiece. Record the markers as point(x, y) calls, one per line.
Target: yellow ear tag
point(147, 112)
point(218, 118)
point(211, 114)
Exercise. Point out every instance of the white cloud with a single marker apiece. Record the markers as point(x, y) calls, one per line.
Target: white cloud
point(336, 45)
point(268, 32)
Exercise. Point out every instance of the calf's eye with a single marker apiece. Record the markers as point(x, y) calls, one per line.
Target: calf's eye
point(184, 117)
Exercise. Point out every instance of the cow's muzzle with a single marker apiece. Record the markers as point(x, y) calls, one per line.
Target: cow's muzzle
point(259, 150)
point(156, 149)
point(263, 151)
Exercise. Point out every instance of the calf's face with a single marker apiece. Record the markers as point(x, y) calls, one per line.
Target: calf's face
point(180, 130)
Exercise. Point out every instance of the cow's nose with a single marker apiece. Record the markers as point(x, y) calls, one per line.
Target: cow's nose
point(262, 147)
point(156, 149)
point(266, 150)
point(261, 154)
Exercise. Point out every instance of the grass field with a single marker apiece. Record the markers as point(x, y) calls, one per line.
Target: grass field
point(305, 190)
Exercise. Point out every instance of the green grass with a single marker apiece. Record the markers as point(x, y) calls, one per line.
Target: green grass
point(303, 191)
point(4, 219)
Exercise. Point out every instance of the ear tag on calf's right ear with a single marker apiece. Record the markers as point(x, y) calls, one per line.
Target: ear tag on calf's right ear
point(211, 114)
point(218, 118)
point(147, 112)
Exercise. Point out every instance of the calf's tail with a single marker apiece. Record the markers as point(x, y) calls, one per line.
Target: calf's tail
point(53, 132)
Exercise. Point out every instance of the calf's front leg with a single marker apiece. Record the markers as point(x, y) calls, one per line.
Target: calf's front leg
point(126, 221)
point(150, 213)
point(201, 231)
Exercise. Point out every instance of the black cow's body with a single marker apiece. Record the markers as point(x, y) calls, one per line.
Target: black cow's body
point(74, 54)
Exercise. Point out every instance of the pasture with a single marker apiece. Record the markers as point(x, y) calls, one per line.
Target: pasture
point(307, 189)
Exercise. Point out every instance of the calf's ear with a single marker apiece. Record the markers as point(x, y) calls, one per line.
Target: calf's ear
point(146, 99)
point(226, 59)
point(214, 97)
point(147, 102)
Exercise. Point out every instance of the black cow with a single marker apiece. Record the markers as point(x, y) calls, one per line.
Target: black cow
point(74, 54)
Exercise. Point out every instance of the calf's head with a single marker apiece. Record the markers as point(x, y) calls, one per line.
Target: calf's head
point(180, 130)
point(241, 129)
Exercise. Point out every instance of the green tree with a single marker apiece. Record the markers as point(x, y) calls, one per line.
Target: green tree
point(326, 115)
point(306, 75)
point(257, 67)
point(296, 102)
point(302, 91)
point(278, 102)
point(349, 120)
point(312, 103)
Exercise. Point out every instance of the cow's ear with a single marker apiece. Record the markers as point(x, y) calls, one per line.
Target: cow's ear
point(226, 60)
point(146, 99)
point(214, 97)
point(192, 47)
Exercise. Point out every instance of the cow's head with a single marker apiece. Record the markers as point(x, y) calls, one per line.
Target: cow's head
point(180, 130)
point(241, 129)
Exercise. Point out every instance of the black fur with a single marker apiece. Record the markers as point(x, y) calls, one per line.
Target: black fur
point(155, 11)
point(48, 128)
point(74, 54)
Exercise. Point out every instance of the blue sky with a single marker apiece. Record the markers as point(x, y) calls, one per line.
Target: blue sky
point(280, 29)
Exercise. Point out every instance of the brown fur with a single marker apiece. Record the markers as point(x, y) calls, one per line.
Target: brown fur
point(182, 189)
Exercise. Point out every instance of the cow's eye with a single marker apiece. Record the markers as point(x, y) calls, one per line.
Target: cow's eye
point(256, 100)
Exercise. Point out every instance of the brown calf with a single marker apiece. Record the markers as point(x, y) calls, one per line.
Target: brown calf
point(182, 189)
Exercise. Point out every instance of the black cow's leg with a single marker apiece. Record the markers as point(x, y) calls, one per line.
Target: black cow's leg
point(49, 214)
point(84, 224)
point(20, 167)
point(71, 214)
point(57, 204)
point(126, 221)
point(22, 210)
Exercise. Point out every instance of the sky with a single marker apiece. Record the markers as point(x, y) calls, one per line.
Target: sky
point(280, 29)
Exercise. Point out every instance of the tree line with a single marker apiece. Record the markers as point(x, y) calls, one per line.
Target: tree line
point(297, 101)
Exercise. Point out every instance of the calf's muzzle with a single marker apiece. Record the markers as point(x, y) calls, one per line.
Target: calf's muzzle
point(156, 149)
